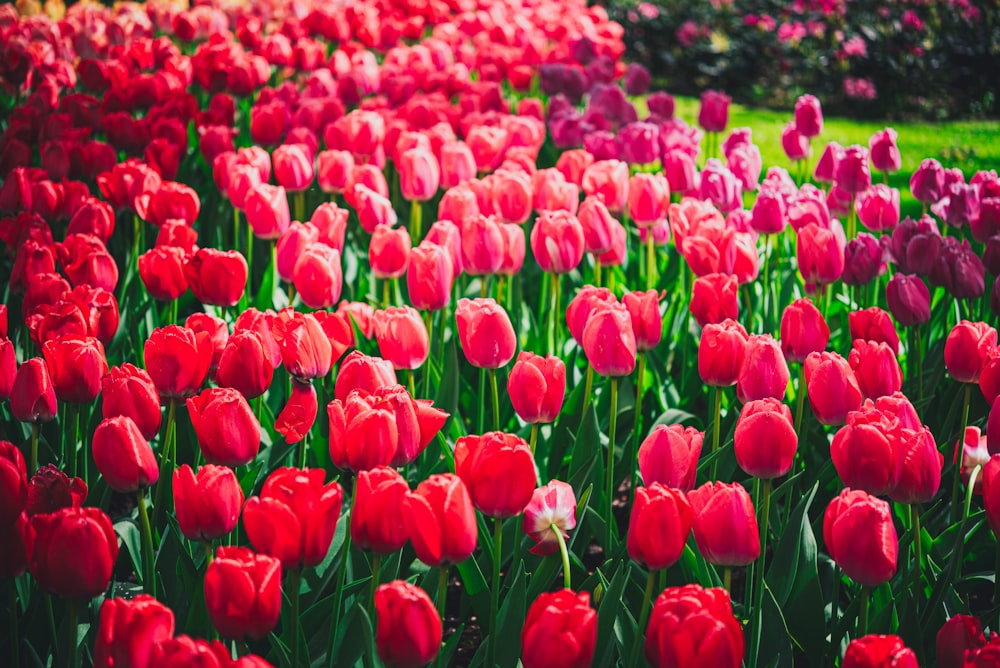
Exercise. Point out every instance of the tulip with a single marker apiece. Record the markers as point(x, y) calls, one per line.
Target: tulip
point(207, 504)
point(820, 255)
point(658, 526)
point(884, 151)
point(409, 628)
point(690, 625)
point(878, 208)
point(245, 365)
point(363, 432)
point(958, 634)
point(14, 491)
point(909, 299)
point(305, 348)
point(648, 199)
point(429, 276)
point(826, 166)
point(123, 455)
point(290, 246)
point(683, 175)
point(863, 260)
point(875, 366)
point(485, 332)
point(86, 261)
point(50, 490)
point(536, 387)
point(499, 471)
point(639, 143)
point(765, 440)
point(441, 520)
point(669, 456)
point(958, 270)
point(552, 508)
point(482, 245)
point(331, 222)
point(267, 211)
point(808, 116)
point(582, 305)
point(557, 241)
point(598, 226)
point(389, 251)
point(764, 373)
point(878, 650)
point(295, 516)
point(861, 538)
point(795, 145)
point(920, 477)
point(293, 167)
point(803, 330)
point(457, 164)
point(162, 272)
point(721, 353)
point(832, 387)
point(713, 115)
point(129, 630)
point(77, 365)
point(82, 572)
point(852, 172)
point(184, 651)
point(644, 312)
point(243, 593)
point(867, 452)
point(373, 209)
point(376, 522)
point(32, 395)
point(966, 349)
point(769, 213)
point(215, 329)
point(873, 324)
point(363, 373)
point(402, 337)
point(8, 368)
point(609, 342)
point(714, 299)
point(560, 630)
point(227, 429)
point(927, 181)
point(608, 182)
point(725, 525)
point(318, 277)
point(299, 414)
point(332, 168)
point(720, 186)
point(217, 277)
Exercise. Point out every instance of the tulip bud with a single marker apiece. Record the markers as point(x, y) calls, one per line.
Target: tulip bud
point(659, 526)
point(958, 634)
point(721, 353)
point(560, 629)
point(227, 429)
point(237, 574)
point(376, 523)
point(32, 396)
point(690, 625)
point(267, 211)
point(485, 332)
point(389, 251)
point(123, 455)
point(207, 504)
point(885, 152)
point(966, 348)
point(832, 387)
point(713, 115)
point(909, 299)
point(82, 572)
point(409, 628)
point(714, 299)
point(765, 440)
point(536, 386)
point(129, 629)
point(669, 456)
point(557, 241)
point(725, 524)
point(874, 324)
point(764, 373)
point(808, 116)
point(861, 538)
point(876, 369)
point(441, 520)
point(552, 508)
point(803, 330)
point(878, 650)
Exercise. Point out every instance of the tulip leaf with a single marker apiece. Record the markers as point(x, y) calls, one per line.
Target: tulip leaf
point(564, 429)
point(587, 450)
point(675, 416)
point(607, 615)
point(795, 553)
point(775, 648)
point(511, 620)
point(131, 539)
point(265, 297)
point(450, 646)
point(358, 636)
point(447, 395)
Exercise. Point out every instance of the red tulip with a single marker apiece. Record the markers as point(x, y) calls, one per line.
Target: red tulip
point(884, 152)
point(867, 452)
point(852, 173)
point(958, 634)
point(582, 305)
point(874, 324)
point(50, 490)
point(725, 524)
point(184, 651)
point(293, 167)
point(171, 201)
point(482, 245)
point(376, 523)
point(290, 246)
point(909, 299)
point(162, 272)
point(860, 537)
point(441, 520)
point(318, 276)
point(644, 311)
point(485, 332)
point(659, 526)
point(713, 299)
point(690, 625)
point(876, 369)
point(648, 199)
point(77, 365)
point(598, 226)
point(217, 277)
point(129, 629)
point(607, 181)
point(560, 630)
point(457, 164)
point(991, 491)
point(245, 364)
point(713, 115)
point(803, 330)
point(299, 414)
point(402, 337)
point(808, 116)
point(820, 255)
point(409, 628)
point(536, 387)
point(966, 349)
point(920, 476)
point(721, 353)
point(389, 251)
point(363, 432)
point(295, 516)
point(430, 275)
point(832, 387)
point(765, 440)
point(557, 241)
point(609, 342)
point(552, 508)
point(81, 572)
point(305, 348)
point(764, 373)
point(14, 478)
point(332, 169)
point(243, 593)
point(499, 471)
point(669, 456)
point(227, 429)
point(511, 195)
point(873, 651)
point(419, 175)
point(32, 396)
point(123, 455)
point(207, 504)
point(417, 421)
point(267, 211)
point(374, 210)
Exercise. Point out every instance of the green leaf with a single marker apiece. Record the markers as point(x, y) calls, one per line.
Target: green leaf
point(511, 621)
point(587, 450)
point(564, 430)
point(448, 391)
point(607, 614)
point(775, 643)
point(132, 540)
point(796, 549)
point(358, 636)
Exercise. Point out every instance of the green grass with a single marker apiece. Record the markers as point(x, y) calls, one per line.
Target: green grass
point(968, 145)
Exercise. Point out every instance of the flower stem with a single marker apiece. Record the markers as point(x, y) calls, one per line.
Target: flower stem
point(482, 401)
point(918, 556)
point(767, 279)
point(610, 469)
point(385, 293)
point(341, 580)
point(597, 272)
point(300, 206)
point(34, 447)
point(554, 314)
point(15, 635)
point(249, 262)
point(727, 578)
point(74, 645)
point(70, 437)
point(209, 556)
point(442, 590)
point(294, 584)
point(534, 438)
point(800, 399)
point(866, 593)
point(146, 532)
point(236, 229)
point(416, 217)
point(166, 473)
point(643, 618)
point(764, 503)
point(920, 367)
point(564, 551)
point(716, 425)
point(650, 260)
point(52, 626)
point(376, 569)
point(588, 386)
point(633, 458)
point(496, 399)
point(956, 483)
point(495, 589)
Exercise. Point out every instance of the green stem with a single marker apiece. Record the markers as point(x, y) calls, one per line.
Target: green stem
point(15, 614)
point(341, 580)
point(764, 503)
point(767, 277)
point(416, 216)
point(209, 556)
point(918, 556)
point(610, 470)
point(866, 593)
point(643, 618)
point(70, 438)
point(483, 286)
point(534, 438)
point(800, 400)
point(495, 590)
point(300, 206)
point(303, 446)
point(236, 229)
point(376, 569)
point(727, 578)
point(956, 483)
point(588, 386)
point(34, 447)
point(564, 552)
point(553, 314)
point(52, 627)
point(482, 400)
point(249, 262)
point(633, 459)
point(442, 598)
point(920, 367)
point(835, 614)
point(716, 426)
point(650, 260)
point(597, 272)
point(496, 399)
point(74, 624)
point(166, 472)
point(385, 293)
point(294, 584)
point(146, 533)
point(429, 324)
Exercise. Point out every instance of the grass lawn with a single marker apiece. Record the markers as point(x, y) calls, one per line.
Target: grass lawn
point(968, 145)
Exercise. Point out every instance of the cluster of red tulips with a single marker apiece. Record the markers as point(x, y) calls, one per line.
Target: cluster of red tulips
point(208, 214)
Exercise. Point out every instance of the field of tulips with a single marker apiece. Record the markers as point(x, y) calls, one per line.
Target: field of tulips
point(387, 333)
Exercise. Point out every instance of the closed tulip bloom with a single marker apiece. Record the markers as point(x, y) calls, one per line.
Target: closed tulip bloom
point(50, 489)
point(207, 504)
point(864, 260)
point(305, 348)
point(683, 175)
point(485, 332)
point(389, 251)
point(295, 516)
point(409, 628)
point(598, 226)
point(536, 386)
point(872, 651)
point(32, 396)
point(361, 372)
point(245, 365)
point(795, 145)
point(966, 348)
point(8, 368)
point(511, 194)
point(648, 199)
point(721, 353)
point(867, 452)
point(958, 634)
point(878, 208)
point(609, 342)
point(852, 173)
point(318, 277)
point(874, 324)
point(402, 337)
point(557, 241)
point(14, 476)
point(808, 116)
point(77, 365)
point(363, 432)
point(217, 331)
point(227, 429)
point(714, 299)
point(441, 520)
point(876, 368)
point(162, 272)
point(725, 524)
point(764, 373)
point(482, 245)
point(331, 222)
point(290, 246)
point(299, 414)
point(639, 143)
point(417, 422)
point(690, 625)
point(765, 440)
point(713, 115)
point(419, 174)
point(582, 305)
point(608, 182)
point(377, 524)
point(909, 299)
point(820, 255)
point(560, 631)
point(185, 651)
point(552, 508)
point(884, 151)
point(72, 552)
point(458, 164)
point(861, 538)
point(644, 311)
point(826, 166)
point(920, 478)
point(217, 277)
point(803, 330)
point(129, 629)
point(373, 209)
point(927, 181)
point(832, 387)
point(123, 455)
point(769, 212)
point(267, 211)
point(332, 168)
point(430, 276)
point(669, 456)
point(499, 471)
point(293, 167)
point(243, 593)
point(659, 526)
point(513, 249)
